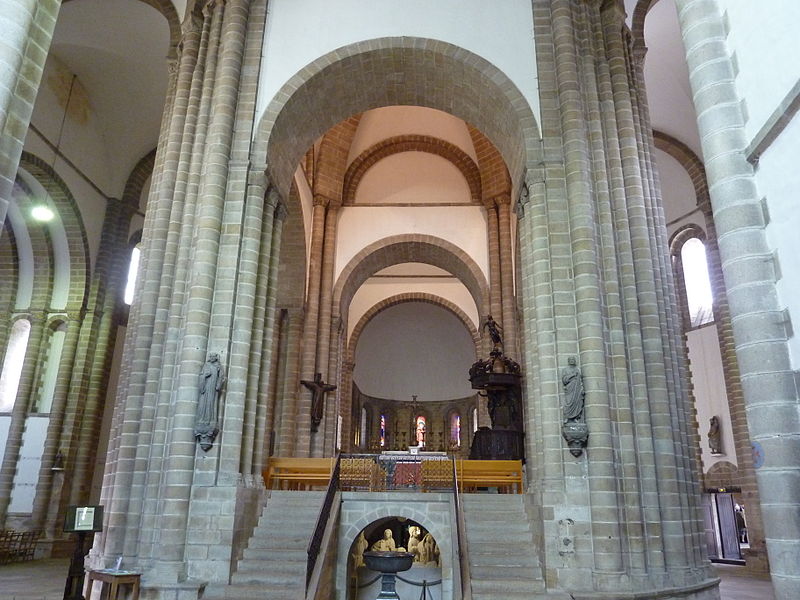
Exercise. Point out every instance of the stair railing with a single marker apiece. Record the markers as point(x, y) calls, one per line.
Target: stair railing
point(315, 544)
point(463, 552)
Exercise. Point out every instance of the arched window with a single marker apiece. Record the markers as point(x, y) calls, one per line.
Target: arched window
point(420, 429)
point(133, 271)
point(363, 439)
point(383, 431)
point(12, 365)
point(455, 429)
point(699, 299)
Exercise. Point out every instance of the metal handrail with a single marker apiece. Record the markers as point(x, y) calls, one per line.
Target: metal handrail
point(322, 521)
point(463, 554)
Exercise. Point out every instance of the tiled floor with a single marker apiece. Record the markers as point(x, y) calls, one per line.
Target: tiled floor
point(44, 580)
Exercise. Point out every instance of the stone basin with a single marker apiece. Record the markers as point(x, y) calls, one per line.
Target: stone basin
point(388, 562)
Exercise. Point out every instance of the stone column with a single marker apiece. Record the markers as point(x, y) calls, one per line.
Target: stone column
point(52, 442)
point(319, 444)
point(254, 401)
point(27, 27)
point(495, 277)
point(308, 364)
point(507, 276)
point(288, 383)
point(768, 382)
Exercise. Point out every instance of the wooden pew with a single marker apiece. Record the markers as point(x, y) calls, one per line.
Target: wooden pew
point(502, 474)
point(297, 473)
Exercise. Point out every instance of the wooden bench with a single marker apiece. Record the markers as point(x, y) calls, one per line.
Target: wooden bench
point(502, 474)
point(297, 473)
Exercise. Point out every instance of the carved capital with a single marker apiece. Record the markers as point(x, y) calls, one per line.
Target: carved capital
point(281, 212)
point(320, 200)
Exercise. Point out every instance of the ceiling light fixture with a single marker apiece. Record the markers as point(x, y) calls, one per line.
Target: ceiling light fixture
point(42, 213)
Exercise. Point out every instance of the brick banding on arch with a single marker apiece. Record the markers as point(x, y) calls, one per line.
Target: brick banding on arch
point(411, 143)
point(407, 248)
point(435, 74)
point(401, 299)
point(74, 228)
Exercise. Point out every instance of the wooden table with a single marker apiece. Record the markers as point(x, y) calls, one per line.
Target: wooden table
point(114, 579)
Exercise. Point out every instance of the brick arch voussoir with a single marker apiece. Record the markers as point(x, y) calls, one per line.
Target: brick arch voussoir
point(332, 159)
point(639, 16)
point(690, 162)
point(494, 174)
point(721, 474)
point(406, 248)
point(411, 143)
point(436, 75)
point(387, 303)
point(72, 221)
point(683, 235)
point(137, 178)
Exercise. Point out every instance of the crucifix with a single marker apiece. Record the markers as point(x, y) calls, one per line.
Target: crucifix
point(318, 390)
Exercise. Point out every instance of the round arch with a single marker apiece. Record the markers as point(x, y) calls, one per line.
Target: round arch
point(74, 230)
point(411, 143)
point(401, 299)
point(410, 248)
point(639, 16)
point(416, 71)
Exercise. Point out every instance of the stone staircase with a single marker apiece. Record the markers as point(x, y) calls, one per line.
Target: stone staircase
point(274, 563)
point(503, 562)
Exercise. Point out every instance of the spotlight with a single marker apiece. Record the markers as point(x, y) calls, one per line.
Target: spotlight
point(42, 213)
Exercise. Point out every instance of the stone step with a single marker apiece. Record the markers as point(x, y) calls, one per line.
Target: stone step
point(272, 576)
point(293, 541)
point(255, 591)
point(502, 588)
point(513, 573)
point(481, 537)
point(251, 565)
point(269, 554)
point(527, 560)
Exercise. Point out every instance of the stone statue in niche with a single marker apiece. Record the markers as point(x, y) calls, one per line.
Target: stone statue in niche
point(429, 551)
point(358, 550)
point(574, 393)
point(318, 390)
point(209, 386)
point(574, 429)
point(414, 542)
point(715, 436)
point(386, 543)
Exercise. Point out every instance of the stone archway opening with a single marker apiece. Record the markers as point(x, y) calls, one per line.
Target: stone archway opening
point(402, 534)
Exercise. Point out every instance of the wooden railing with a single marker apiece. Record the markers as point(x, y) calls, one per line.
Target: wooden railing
point(18, 546)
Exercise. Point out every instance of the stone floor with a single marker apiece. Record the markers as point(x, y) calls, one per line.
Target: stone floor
point(44, 580)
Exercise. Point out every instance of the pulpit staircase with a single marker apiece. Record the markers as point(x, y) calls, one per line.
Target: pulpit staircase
point(502, 559)
point(274, 563)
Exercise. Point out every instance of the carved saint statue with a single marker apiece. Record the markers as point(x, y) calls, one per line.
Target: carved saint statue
point(414, 542)
point(573, 392)
point(209, 386)
point(386, 543)
point(318, 390)
point(714, 436)
point(429, 551)
point(494, 331)
point(358, 550)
